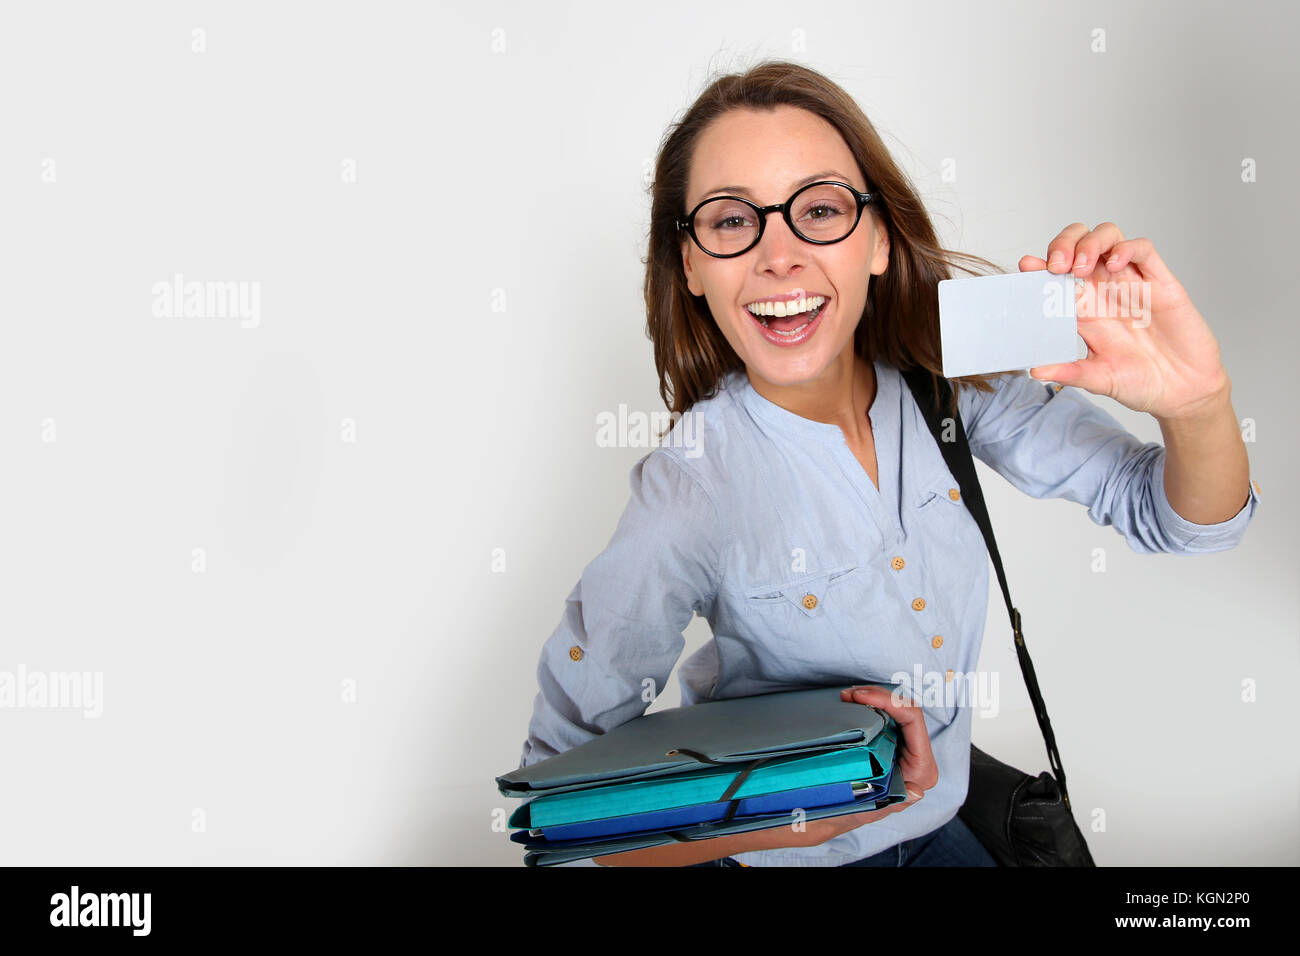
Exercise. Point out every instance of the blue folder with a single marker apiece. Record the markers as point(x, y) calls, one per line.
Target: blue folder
point(708, 784)
point(739, 735)
point(783, 802)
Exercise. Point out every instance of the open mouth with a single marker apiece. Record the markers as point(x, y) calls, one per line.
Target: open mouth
point(793, 328)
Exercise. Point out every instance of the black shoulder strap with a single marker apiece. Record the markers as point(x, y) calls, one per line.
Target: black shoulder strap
point(957, 455)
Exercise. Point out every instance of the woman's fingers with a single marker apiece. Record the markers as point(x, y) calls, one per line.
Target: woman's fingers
point(1090, 248)
point(923, 770)
point(1142, 255)
point(1060, 251)
point(1078, 249)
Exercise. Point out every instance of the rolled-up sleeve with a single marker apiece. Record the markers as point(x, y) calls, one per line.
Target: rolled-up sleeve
point(1052, 444)
point(623, 620)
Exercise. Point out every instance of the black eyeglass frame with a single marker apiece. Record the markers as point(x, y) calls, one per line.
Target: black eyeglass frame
point(783, 208)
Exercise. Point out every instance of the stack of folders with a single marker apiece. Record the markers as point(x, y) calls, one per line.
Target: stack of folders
point(707, 770)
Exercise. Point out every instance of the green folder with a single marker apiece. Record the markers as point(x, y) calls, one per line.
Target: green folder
point(708, 784)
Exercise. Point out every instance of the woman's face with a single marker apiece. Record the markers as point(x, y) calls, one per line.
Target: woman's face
point(771, 154)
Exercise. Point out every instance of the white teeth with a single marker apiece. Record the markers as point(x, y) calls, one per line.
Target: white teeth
point(815, 311)
point(780, 309)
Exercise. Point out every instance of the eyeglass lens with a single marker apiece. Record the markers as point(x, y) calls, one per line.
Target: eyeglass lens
point(822, 213)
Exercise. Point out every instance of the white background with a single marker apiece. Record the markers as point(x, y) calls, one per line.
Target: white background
point(370, 561)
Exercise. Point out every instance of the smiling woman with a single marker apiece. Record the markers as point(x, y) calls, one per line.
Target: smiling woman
point(814, 523)
point(851, 231)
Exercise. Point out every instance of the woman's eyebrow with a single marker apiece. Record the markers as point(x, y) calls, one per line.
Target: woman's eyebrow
point(743, 190)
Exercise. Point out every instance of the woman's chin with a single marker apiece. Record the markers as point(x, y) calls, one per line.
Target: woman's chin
point(795, 366)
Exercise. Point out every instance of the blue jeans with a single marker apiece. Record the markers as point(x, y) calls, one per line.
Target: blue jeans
point(952, 844)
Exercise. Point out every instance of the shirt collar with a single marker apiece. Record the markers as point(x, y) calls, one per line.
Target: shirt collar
point(796, 426)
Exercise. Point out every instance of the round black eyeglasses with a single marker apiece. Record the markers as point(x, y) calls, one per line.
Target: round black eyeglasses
point(821, 213)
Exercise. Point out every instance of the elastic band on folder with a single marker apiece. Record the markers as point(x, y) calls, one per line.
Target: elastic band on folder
point(736, 783)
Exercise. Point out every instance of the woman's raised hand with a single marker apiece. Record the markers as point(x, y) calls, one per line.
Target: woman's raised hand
point(1148, 346)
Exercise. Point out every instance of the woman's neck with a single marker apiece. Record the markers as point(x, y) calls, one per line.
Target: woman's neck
point(841, 396)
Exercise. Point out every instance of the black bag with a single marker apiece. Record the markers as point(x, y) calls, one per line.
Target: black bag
point(1021, 820)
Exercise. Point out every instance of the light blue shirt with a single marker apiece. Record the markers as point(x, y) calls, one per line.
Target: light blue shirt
point(746, 508)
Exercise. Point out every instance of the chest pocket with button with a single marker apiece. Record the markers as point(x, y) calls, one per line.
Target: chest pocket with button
point(940, 518)
point(802, 631)
point(939, 495)
point(809, 593)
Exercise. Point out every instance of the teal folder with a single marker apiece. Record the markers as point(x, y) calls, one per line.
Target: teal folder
point(707, 785)
point(705, 752)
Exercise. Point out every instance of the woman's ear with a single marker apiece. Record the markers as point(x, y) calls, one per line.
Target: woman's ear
point(880, 255)
point(692, 280)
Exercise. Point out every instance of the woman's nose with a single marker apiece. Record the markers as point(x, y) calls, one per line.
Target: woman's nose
point(779, 248)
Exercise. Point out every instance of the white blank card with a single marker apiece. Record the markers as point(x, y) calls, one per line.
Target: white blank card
point(1005, 322)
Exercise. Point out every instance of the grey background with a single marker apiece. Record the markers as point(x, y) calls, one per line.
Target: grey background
point(372, 560)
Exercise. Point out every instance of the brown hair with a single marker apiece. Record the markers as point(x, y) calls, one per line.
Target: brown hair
point(900, 323)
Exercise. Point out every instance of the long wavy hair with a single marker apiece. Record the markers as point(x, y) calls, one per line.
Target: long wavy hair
point(900, 322)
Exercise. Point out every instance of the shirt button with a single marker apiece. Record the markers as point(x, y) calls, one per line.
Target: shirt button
point(937, 643)
point(898, 562)
point(948, 677)
point(954, 494)
point(918, 604)
point(810, 601)
point(575, 652)
point(1255, 485)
